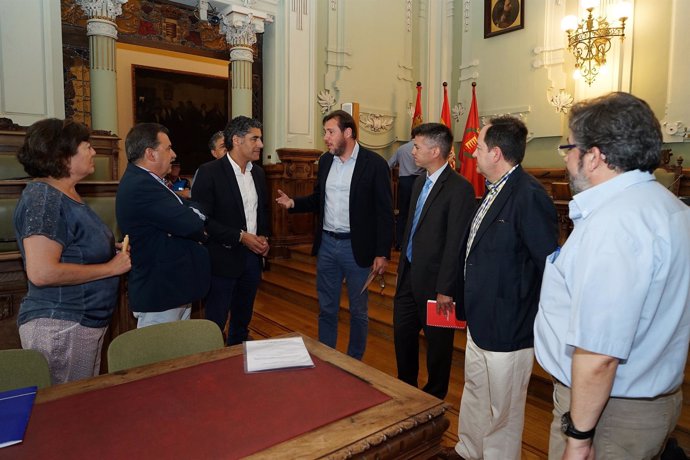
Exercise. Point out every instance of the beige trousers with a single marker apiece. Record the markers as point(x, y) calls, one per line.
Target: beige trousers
point(492, 409)
point(627, 429)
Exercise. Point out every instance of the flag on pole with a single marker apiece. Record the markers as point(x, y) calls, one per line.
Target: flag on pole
point(468, 165)
point(417, 117)
point(445, 109)
point(445, 119)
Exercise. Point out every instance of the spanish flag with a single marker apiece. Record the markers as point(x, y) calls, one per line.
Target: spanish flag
point(468, 165)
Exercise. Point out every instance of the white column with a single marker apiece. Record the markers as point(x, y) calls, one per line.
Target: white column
point(102, 32)
point(240, 26)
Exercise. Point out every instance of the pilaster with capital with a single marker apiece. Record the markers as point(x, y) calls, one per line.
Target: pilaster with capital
point(102, 32)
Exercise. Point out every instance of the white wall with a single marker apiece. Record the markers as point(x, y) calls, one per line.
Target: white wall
point(31, 80)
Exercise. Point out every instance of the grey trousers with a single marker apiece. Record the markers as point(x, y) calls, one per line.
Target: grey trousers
point(627, 429)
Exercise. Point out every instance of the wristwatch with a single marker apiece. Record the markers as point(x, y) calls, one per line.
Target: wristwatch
point(569, 430)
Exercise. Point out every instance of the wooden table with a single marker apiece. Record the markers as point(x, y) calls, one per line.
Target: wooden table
point(408, 425)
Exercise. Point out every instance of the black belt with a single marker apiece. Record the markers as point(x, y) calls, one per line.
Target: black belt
point(337, 236)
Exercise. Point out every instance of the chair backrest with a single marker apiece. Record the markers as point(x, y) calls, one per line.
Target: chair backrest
point(668, 174)
point(161, 342)
point(23, 368)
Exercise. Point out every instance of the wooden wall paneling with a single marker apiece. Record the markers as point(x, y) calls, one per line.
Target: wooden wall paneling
point(296, 176)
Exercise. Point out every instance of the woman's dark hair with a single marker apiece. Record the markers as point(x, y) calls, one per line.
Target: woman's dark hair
point(48, 146)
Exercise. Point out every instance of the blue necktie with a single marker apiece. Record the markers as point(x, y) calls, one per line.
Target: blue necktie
point(417, 213)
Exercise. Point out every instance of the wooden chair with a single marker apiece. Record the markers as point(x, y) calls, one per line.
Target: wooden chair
point(23, 368)
point(161, 342)
point(668, 174)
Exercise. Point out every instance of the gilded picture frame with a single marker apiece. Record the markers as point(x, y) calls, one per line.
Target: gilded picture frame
point(503, 16)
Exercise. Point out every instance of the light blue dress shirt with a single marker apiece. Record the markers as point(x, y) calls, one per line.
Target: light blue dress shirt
point(620, 286)
point(404, 159)
point(337, 206)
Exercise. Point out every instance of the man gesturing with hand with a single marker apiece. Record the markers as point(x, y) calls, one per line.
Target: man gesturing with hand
point(354, 206)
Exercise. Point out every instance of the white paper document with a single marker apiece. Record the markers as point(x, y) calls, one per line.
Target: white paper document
point(272, 354)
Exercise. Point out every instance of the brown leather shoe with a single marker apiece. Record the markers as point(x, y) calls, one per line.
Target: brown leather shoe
point(448, 453)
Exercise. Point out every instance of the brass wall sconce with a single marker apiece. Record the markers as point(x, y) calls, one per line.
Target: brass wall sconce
point(590, 39)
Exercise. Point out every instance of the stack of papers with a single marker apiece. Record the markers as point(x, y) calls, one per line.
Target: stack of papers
point(273, 354)
point(15, 409)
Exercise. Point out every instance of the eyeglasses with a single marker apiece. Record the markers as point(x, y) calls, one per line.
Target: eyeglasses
point(564, 149)
point(382, 283)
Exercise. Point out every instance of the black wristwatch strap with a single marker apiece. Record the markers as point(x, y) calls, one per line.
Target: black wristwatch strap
point(569, 430)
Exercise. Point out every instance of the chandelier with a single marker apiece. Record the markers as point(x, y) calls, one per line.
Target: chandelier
point(590, 39)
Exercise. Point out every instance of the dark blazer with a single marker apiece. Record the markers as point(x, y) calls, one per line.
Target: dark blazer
point(505, 265)
point(216, 190)
point(446, 214)
point(371, 206)
point(170, 267)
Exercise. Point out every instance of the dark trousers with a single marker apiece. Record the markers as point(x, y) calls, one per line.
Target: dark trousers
point(404, 194)
point(236, 297)
point(409, 317)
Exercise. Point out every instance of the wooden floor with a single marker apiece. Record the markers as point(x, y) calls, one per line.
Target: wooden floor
point(275, 316)
point(287, 302)
point(277, 312)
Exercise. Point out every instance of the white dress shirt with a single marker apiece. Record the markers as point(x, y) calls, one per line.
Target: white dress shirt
point(250, 199)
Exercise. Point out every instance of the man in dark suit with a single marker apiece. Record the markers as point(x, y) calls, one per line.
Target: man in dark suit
point(353, 201)
point(441, 207)
point(232, 192)
point(505, 250)
point(170, 266)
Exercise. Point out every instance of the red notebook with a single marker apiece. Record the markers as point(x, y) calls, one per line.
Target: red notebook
point(436, 319)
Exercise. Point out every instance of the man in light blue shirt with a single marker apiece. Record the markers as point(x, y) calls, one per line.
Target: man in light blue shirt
point(614, 317)
point(408, 171)
point(353, 203)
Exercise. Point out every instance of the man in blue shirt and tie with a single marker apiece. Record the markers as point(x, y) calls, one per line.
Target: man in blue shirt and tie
point(442, 206)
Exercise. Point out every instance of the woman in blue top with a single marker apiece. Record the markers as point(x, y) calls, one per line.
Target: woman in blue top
point(69, 253)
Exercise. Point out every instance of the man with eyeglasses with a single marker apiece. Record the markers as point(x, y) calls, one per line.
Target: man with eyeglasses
point(502, 262)
point(614, 317)
point(442, 204)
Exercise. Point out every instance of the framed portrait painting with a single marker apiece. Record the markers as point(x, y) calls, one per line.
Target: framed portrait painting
point(503, 16)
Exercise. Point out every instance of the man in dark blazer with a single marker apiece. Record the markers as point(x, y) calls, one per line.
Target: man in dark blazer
point(232, 192)
point(441, 207)
point(170, 266)
point(353, 201)
point(504, 253)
